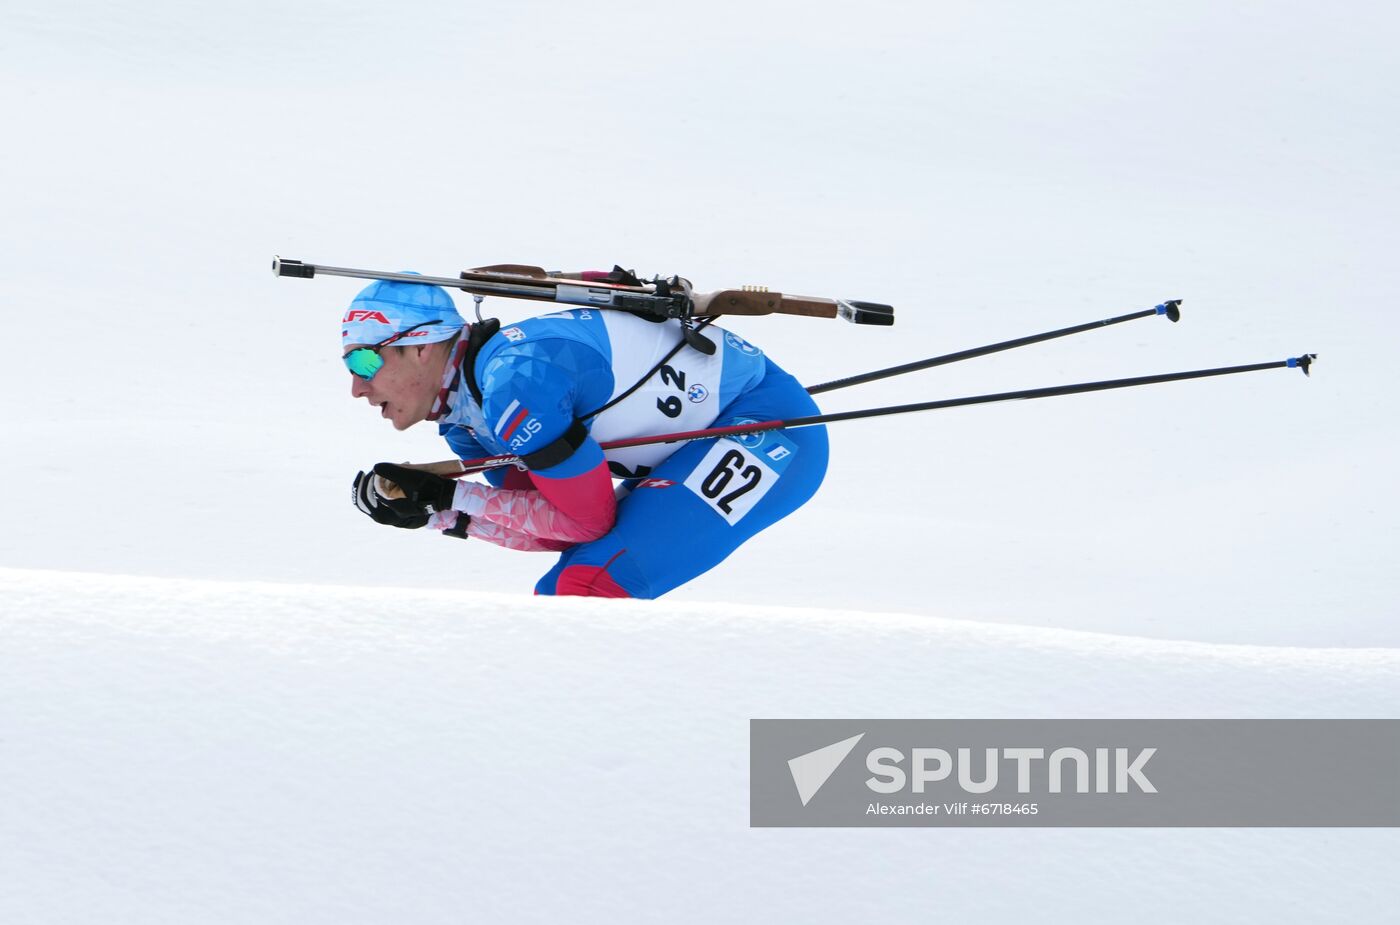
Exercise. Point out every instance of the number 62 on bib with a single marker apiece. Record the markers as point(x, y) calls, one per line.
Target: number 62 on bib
point(733, 478)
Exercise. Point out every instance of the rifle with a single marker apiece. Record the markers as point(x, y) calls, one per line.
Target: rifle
point(658, 298)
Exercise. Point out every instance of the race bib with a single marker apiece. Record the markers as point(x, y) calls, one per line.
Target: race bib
point(736, 473)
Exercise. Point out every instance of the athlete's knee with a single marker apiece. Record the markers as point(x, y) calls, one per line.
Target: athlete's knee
point(588, 581)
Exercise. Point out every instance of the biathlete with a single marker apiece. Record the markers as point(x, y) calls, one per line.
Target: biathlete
point(550, 390)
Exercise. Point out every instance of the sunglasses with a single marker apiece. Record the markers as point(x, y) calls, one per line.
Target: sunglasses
point(366, 361)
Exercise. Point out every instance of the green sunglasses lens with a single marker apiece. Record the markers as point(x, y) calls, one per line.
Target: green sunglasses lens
point(363, 362)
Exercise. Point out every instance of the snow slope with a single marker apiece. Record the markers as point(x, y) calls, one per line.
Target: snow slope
point(179, 751)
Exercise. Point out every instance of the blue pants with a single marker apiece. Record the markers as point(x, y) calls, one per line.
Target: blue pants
point(703, 502)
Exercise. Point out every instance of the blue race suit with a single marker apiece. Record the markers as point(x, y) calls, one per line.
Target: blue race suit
point(684, 507)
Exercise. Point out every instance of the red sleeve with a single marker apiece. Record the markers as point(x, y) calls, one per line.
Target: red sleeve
point(576, 509)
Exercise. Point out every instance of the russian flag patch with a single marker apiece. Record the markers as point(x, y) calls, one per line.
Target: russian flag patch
point(512, 418)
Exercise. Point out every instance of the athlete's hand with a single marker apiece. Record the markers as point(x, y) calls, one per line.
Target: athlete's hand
point(420, 487)
point(394, 512)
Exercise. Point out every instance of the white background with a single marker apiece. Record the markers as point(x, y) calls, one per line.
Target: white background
point(992, 169)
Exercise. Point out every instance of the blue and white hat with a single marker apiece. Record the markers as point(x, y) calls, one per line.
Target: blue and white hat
point(384, 308)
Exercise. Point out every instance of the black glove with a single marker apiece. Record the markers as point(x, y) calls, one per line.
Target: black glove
point(395, 512)
point(419, 487)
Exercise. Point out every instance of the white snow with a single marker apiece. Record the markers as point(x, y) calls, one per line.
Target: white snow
point(226, 696)
point(181, 750)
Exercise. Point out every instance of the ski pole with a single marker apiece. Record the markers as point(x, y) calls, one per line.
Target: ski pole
point(1170, 308)
point(458, 467)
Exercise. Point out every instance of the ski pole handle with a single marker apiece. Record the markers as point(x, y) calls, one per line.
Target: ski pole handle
point(448, 468)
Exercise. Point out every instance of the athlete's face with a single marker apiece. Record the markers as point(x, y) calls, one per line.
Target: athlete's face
point(405, 386)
